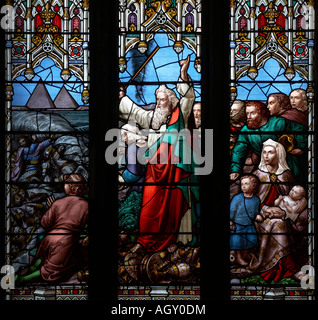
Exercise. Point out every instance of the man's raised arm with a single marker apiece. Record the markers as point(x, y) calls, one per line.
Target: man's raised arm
point(130, 111)
point(185, 90)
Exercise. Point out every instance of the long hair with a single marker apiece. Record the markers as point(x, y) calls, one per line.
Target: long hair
point(282, 99)
point(303, 95)
point(170, 93)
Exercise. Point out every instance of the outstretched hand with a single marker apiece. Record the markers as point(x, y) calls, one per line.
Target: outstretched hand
point(234, 176)
point(275, 212)
point(50, 200)
point(184, 64)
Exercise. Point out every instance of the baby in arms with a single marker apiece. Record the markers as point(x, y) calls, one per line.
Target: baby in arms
point(292, 204)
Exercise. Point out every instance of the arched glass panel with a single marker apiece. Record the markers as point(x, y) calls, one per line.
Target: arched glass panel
point(47, 152)
point(271, 142)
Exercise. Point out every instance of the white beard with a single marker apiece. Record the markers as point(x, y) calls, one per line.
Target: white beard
point(160, 117)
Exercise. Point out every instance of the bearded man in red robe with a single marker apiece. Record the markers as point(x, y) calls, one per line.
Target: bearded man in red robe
point(165, 196)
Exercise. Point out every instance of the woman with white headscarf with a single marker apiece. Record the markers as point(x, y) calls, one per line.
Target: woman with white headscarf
point(276, 258)
point(274, 174)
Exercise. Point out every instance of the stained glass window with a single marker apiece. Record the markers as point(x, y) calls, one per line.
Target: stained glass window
point(160, 123)
point(271, 146)
point(47, 149)
point(146, 67)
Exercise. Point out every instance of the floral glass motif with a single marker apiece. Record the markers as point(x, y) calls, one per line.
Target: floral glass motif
point(47, 155)
point(159, 204)
point(271, 141)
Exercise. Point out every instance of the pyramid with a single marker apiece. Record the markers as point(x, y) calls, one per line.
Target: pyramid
point(64, 100)
point(40, 98)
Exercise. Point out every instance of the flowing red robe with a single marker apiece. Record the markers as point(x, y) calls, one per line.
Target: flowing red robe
point(163, 204)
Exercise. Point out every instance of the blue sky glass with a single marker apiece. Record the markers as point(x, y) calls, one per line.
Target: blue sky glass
point(47, 72)
point(270, 79)
point(162, 68)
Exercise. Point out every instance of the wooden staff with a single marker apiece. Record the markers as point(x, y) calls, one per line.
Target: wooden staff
point(141, 67)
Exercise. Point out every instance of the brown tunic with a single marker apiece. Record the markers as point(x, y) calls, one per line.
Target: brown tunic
point(59, 249)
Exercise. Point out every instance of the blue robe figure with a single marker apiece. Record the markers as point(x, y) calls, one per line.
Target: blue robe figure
point(27, 165)
point(135, 171)
point(243, 212)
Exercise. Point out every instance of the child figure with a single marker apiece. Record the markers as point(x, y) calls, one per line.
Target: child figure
point(244, 210)
point(292, 205)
